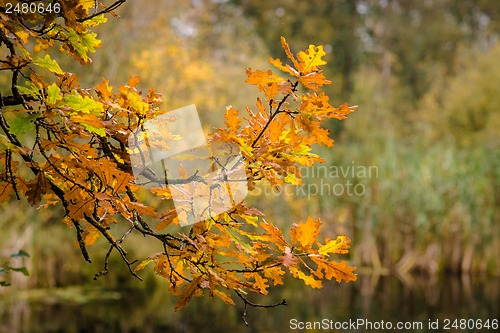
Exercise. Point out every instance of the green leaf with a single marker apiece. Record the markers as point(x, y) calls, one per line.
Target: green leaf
point(23, 270)
point(84, 43)
point(95, 21)
point(29, 89)
point(19, 254)
point(92, 129)
point(53, 94)
point(245, 246)
point(83, 104)
point(49, 64)
point(22, 123)
point(4, 284)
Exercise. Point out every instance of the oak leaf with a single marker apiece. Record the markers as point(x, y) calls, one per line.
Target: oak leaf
point(305, 233)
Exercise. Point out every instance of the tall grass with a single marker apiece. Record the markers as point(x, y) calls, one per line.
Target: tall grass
point(432, 208)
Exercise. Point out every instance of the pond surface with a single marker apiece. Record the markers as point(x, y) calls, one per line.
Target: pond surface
point(150, 309)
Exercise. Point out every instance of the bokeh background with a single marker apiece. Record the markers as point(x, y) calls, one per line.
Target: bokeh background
point(425, 228)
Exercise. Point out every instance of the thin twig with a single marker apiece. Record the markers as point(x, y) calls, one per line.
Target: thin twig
point(108, 9)
point(256, 305)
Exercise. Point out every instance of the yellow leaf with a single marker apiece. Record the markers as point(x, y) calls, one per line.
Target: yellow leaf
point(223, 296)
point(292, 179)
point(339, 245)
point(142, 265)
point(251, 219)
point(23, 36)
point(311, 58)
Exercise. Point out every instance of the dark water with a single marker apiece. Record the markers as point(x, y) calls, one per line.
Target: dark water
point(411, 301)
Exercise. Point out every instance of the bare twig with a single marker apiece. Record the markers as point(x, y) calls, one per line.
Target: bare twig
point(256, 305)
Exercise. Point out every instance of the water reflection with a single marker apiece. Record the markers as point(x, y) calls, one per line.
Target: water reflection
point(372, 298)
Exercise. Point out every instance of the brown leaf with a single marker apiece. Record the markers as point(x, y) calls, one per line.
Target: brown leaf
point(36, 188)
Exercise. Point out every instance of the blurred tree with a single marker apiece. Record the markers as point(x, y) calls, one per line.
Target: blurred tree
point(466, 104)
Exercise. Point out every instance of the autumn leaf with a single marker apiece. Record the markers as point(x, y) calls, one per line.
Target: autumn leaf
point(36, 188)
point(260, 283)
point(308, 279)
point(143, 264)
point(339, 245)
point(305, 233)
point(289, 54)
point(285, 68)
point(275, 273)
point(288, 259)
point(331, 269)
point(105, 90)
point(265, 81)
point(232, 119)
point(81, 43)
point(311, 58)
point(83, 204)
point(223, 296)
point(53, 94)
point(187, 293)
point(292, 179)
point(82, 104)
point(90, 235)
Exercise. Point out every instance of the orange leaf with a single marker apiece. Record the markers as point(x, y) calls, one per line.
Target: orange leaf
point(90, 235)
point(232, 119)
point(275, 273)
point(289, 54)
point(308, 279)
point(305, 233)
point(285, 68)
point(133, 81)
point(339, 271)
point(104, 90)
point(260, 283)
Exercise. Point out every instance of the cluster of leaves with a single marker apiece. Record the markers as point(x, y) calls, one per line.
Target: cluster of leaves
point(63, 144)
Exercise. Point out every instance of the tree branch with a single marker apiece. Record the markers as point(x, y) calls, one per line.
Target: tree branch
point(108, 9)
point(255, 305)
point(273, 115)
